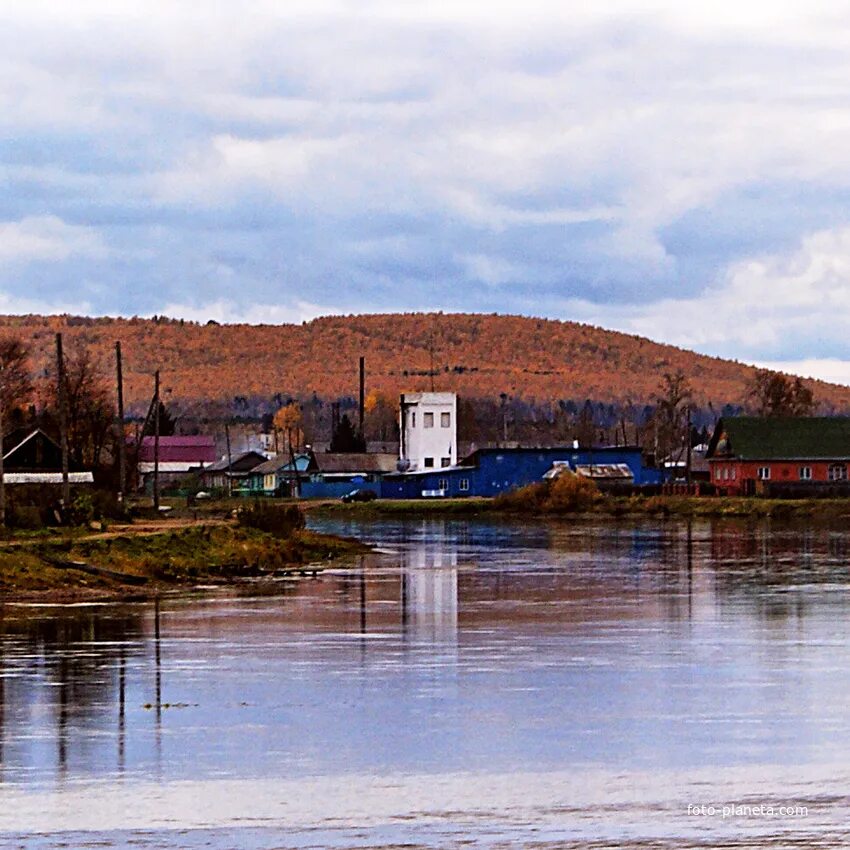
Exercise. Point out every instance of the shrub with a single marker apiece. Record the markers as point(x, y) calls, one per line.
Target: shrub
point(25, 517)
point(566, 494)
point(572, 493)
point(277, 519)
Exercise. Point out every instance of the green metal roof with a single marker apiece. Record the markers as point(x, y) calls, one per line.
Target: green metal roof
point(782, 438)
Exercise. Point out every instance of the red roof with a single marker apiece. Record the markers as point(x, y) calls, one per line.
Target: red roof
point(198, 449)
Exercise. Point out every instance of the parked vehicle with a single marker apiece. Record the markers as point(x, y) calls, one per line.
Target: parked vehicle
point(360, 495)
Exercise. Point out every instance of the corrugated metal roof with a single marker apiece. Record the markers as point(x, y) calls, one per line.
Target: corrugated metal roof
point(195, 449)
point(350, 462)
point(47, 478)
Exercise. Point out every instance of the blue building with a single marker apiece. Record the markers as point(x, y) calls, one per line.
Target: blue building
point(489, 472)
point(333, 474)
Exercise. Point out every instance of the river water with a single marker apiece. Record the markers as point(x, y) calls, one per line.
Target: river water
point(472, 684)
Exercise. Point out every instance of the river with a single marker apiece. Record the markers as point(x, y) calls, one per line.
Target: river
point(471, 684)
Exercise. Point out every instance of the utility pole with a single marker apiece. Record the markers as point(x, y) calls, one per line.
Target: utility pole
point(63, 421)
point(688, 457)
point(156, 441)
point(229, 460)
point(2, 452)
point(362, 396)
point(122, 449)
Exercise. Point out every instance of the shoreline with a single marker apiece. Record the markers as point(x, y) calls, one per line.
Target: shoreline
point(626, 507)
point(154, 559)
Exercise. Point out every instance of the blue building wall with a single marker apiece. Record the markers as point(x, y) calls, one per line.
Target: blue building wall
point(319, 487)
point(499, 470)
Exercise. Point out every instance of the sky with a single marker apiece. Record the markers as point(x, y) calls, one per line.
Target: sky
point(678, 172)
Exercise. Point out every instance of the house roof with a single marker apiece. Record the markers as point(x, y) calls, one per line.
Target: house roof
point(350, 462)
point(242, 462)
point(781, 438)
point(283, 461)
point(198, 450)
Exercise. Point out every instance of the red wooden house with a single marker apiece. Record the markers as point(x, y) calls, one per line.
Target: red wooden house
point(798, 455)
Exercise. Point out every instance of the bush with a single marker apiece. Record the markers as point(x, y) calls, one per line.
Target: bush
point(25, 517)
point(277, 519)
point(572, 493)
point(567, 494)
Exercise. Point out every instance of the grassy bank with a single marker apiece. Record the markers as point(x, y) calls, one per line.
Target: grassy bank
point(139, 562)
point(523, 504)
point(471, 506)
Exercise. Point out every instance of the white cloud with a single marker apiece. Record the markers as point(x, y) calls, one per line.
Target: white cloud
point(15, 305)
point(47, 238)
point(761, 304)
point(829, 369)
point(229, 312)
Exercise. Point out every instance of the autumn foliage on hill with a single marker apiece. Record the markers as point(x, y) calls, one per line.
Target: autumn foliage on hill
point(479, 356)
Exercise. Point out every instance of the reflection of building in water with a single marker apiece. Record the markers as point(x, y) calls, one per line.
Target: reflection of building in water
point(429, 591)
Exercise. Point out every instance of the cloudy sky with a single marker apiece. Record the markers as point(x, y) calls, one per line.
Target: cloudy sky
point(677, 172)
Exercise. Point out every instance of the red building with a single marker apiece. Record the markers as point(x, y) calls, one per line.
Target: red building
point(794, 455)
point(179, 456)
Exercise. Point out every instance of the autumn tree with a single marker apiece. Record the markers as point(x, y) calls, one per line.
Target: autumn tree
point(775, 394)
point(287, 427)
point(381, 419)
point(90, 411)
point(15, 382)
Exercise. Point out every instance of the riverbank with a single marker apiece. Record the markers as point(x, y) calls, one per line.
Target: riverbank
point(604, 505)
point(156, 557)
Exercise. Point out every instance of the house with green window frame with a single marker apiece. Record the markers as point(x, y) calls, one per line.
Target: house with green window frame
point(279, 475)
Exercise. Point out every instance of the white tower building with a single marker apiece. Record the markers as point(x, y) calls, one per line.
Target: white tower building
point(428, 428)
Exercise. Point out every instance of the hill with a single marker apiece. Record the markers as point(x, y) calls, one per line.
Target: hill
point(479, 356)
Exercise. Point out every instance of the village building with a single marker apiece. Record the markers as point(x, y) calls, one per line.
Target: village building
point(281, 475)
point(232, 474)
point(179, 456)
point(428, 429)
point(30, 456)
point(780, 456)
point(335, 474)
point(492, 471)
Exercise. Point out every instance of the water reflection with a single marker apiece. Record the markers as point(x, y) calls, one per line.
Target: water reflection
point(429, 589)
point(465, 647)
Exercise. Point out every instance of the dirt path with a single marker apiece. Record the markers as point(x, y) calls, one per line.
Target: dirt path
point(147, 528)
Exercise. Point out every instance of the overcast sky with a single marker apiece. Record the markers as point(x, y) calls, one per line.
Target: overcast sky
point(677, 172)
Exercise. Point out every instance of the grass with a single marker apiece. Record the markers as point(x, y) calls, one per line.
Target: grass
point(197, 554)
point(471, 506)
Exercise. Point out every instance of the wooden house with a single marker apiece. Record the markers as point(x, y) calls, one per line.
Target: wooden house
point(780, 456)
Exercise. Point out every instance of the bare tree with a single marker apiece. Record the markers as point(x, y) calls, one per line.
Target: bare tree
point(775, 394)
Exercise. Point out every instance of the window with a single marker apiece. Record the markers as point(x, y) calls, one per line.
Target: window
point(445, 420)
point(429, 463)
point(445, 461)
point(805, 473)
point(764, 473)
point(428, 420)
point(718, 473)
point(725, 474)
point(837, 472)
point(413, 419)
point(443, 484)
point(734, 474)
point(463, 485)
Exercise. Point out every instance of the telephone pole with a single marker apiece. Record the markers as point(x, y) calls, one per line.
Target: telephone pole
point(2, 452)
point(63, 421)
point(156, 441)
point(122, 449)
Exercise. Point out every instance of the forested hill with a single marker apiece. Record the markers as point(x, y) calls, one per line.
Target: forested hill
point(479, 356)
